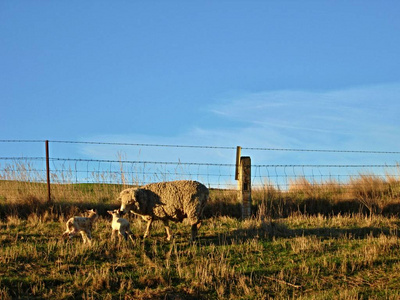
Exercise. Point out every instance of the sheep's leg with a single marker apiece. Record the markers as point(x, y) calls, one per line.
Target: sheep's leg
point(195, 221)
point(194, 231)
point(167, 230)
point(148, 228)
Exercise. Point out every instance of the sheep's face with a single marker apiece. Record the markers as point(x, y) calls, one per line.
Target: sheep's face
point(128, 201)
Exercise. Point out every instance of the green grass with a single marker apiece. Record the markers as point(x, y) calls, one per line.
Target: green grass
point(301, 257)
point(314, 241)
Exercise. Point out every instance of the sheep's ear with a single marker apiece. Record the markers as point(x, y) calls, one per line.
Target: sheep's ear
point(110, 212)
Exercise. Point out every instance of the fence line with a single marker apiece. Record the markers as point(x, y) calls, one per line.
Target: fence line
point(216, 175)
point(203, 146)
point(69, 170)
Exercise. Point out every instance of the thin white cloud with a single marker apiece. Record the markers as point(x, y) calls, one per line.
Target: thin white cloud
point(362, 116)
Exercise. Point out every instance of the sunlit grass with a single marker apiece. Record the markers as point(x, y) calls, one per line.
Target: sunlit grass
point(315, 241)
point(231, 259)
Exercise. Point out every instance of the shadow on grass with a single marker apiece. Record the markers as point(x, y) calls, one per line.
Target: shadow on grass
point(273, 230)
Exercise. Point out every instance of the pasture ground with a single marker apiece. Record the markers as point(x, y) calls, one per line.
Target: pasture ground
point(299, 257)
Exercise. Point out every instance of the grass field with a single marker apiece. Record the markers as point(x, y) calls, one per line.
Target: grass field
point(300, 257)
point(293, 248)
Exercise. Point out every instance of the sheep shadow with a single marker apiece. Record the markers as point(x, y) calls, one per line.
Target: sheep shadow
point(274, 230)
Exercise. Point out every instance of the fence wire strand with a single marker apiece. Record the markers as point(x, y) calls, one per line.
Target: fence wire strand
point(218, 175)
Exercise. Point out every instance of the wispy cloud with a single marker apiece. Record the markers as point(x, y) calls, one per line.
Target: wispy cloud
point(349, 118)
point(362, 118)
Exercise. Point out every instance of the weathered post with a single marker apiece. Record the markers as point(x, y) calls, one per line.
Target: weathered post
point(48, 171)
point(238, 152)
point(243, 175)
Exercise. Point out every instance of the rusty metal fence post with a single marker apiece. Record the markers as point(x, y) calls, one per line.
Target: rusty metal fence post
point(48, 171)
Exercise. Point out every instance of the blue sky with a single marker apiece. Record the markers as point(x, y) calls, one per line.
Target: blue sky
point(280, 74)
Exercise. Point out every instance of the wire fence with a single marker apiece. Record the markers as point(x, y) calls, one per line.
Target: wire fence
point(212, 165)
point(68, 171)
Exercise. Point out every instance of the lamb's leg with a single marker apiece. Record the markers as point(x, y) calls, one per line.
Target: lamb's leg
point(84, 236)
point(89, 236)
point(168, 231)
point(148, 228)
point(129, 232)
point(119, 237)
point(130, 236)
point(113, 235)
point(65, 234)
point(123, 234)
point(69, 230)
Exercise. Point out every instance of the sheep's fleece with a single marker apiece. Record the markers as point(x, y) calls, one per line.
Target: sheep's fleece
point(174, 200)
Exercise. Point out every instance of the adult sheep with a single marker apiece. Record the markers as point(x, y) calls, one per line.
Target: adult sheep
point(167, 201)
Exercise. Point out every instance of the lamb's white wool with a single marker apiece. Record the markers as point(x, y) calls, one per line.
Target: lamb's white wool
point(167, 201)
point(119, 225)
point(81, 225)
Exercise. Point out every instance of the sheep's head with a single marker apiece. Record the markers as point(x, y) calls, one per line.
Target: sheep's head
point(128, 201)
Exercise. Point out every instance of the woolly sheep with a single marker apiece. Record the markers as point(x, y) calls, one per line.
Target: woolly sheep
point(82, 225)
point(167, 201)
point(119, 225)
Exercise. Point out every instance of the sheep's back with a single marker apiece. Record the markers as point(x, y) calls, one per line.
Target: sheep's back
point(183, 196)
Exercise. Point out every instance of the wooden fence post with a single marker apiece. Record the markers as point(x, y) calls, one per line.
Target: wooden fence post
point(48, 171)
point(244, 184)
point(238, 152)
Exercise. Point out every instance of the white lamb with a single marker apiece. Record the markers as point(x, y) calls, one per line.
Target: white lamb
point(120, 225)
point(82, 225)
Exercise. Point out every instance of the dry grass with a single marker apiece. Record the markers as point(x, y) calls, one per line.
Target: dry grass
point(314, 241)
point(233, 259)
point(366, 194)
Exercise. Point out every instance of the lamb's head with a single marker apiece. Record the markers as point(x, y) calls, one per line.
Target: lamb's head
point(92, 214)
point(116, 213)
point(128, 201)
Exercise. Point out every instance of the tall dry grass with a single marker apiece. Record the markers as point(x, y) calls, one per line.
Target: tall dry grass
point(366, 193)
point(21, 192)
